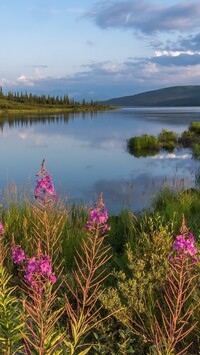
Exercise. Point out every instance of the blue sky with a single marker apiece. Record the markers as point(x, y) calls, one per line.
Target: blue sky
point(98, 49)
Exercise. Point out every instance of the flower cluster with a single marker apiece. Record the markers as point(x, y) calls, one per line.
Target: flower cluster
point(37, 270)
point(98, 217)
point(18, 255)
point(184, 244)
point(44, 185)
point(1, 229)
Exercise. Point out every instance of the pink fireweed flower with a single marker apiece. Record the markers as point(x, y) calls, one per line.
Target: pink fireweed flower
point(44, 185)
point(37, 271)
point(184, 243)
point(1, 229)
point(98, 217)
point(18, 255)
point(52, 278)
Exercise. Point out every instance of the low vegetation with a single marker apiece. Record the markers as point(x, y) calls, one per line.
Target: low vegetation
point(147, 145)
point(76, 281)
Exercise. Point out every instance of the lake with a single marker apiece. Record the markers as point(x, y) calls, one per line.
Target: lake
point(86, 154)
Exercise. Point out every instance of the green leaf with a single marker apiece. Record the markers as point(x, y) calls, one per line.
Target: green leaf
point(84, 352)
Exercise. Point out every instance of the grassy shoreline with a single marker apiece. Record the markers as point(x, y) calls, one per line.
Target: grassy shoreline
point(54, 110)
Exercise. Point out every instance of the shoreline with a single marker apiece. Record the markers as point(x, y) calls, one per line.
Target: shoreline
point(53, 110)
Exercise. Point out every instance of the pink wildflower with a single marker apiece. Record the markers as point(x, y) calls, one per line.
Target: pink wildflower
point(44, 185)
point(98, 217)
point(1, 229)
point(37, 271)
point(18, 255)
point(184, 243)
point(52, 278)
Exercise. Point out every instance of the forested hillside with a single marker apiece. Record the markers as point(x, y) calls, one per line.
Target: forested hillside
point(169, 97)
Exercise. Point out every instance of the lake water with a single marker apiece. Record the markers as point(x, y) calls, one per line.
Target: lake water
point(86, 154)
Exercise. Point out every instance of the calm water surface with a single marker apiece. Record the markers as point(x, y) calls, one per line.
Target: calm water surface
point(86, 154)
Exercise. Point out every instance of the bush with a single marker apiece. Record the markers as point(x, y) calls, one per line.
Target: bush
point(195, 127)
point(167, 136)
point(145, 143)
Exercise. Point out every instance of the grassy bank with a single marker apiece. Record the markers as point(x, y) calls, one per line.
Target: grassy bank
point(41, 110)
point(77, 281)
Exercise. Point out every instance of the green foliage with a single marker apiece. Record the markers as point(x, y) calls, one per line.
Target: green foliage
point(146, 145)
point(140, 145)
point(138, 287)
point(186, 139)
point(195, 127)
point(11, 322)
point(167, 136)
point(170, 205)
point(167, 140)
point(109, 340)
point(196, 150)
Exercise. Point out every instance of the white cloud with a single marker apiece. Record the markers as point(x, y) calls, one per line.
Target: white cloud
point(174, 53)
point(171, 156)
point(7, 82)
point(22, 79)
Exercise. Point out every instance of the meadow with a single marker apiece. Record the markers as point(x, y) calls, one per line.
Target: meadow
point(75, 280)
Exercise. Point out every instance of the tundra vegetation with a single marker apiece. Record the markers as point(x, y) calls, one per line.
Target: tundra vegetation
point(76, 281)
point(147, 145)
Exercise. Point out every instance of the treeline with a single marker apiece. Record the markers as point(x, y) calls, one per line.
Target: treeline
point(48, 100)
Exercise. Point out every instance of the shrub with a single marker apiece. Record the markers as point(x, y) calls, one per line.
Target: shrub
point(139, 145)
point(195, 127)
point(167, 136)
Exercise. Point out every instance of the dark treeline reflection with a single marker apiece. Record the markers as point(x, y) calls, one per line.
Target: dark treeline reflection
point(28, 120)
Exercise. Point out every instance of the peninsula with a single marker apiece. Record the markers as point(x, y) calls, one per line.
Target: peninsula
point(29, 103)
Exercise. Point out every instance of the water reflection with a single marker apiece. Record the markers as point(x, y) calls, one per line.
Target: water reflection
point(32, 119)
point(86, 154)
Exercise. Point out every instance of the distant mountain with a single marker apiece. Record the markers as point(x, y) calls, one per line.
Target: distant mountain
point(171, 96)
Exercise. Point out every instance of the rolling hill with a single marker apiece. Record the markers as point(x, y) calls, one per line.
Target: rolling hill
point(170, 96)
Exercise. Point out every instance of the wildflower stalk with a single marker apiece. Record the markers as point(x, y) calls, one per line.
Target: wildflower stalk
point(3, 246)
point(48, 222)
point(42, 337)
point(176, 318)
point(88, 278)
point(37, 278)
point(38, 299)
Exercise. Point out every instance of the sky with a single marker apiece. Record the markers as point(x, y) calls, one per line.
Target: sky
point(98, 49)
